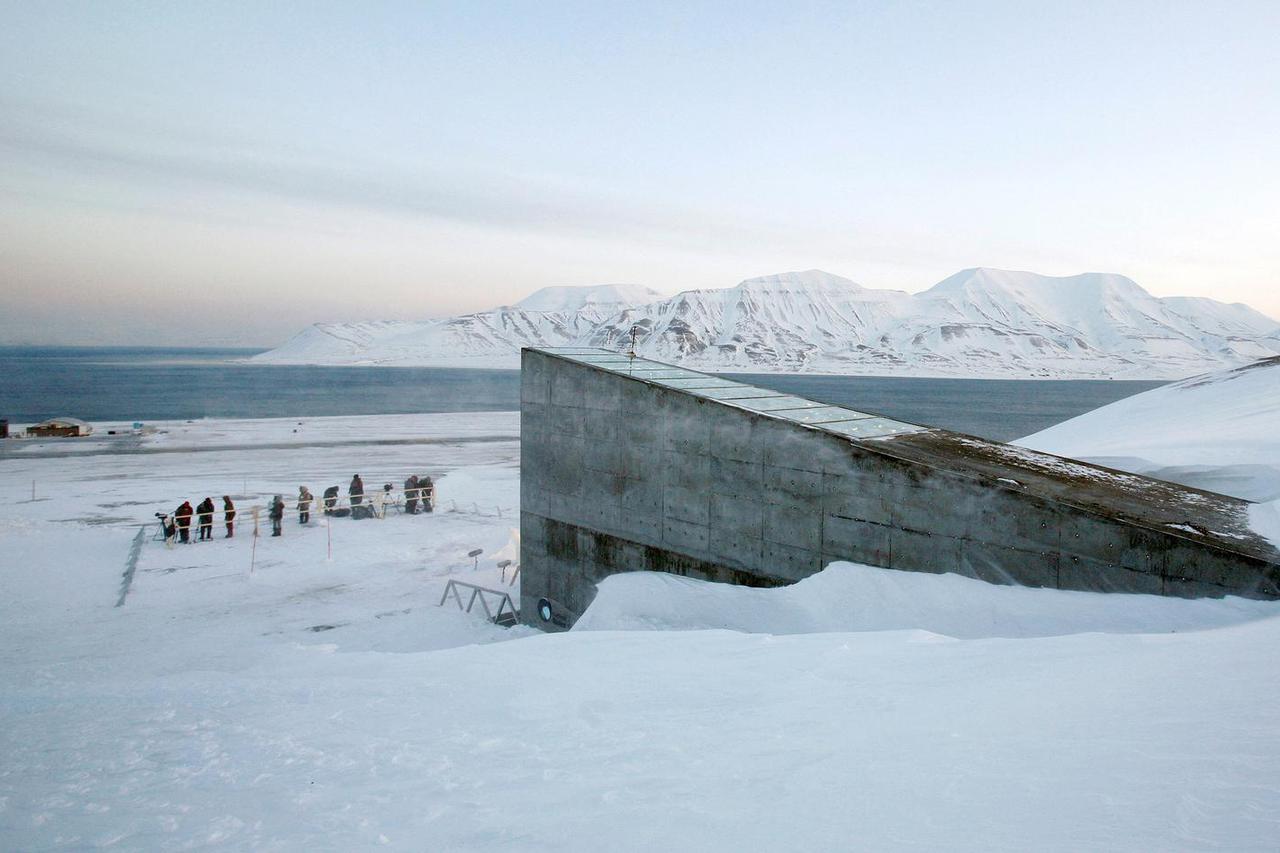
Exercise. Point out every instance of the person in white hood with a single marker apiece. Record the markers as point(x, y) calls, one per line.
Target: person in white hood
point(380, 500)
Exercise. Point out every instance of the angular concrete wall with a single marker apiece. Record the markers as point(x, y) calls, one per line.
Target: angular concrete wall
point(621, 474)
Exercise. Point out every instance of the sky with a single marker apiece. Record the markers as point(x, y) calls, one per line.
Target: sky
point(227, 173)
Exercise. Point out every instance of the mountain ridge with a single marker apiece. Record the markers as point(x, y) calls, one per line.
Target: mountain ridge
point(979, 322)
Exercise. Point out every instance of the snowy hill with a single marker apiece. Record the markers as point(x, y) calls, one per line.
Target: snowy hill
point(1222, 318)
point(1219, 431)
point(798, 321)
point(600, 300)
point(978, 322)
point(553, 316)
point(1102, 324)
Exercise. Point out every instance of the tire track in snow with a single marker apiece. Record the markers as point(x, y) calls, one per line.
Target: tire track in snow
point(132, 564)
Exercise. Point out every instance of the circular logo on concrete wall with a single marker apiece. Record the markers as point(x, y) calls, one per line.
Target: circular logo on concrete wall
point(544, 609)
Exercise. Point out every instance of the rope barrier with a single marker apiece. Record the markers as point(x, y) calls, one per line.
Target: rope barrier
point(381, 499)
point(341, 502)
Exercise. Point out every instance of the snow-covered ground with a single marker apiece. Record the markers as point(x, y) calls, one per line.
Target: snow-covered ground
point(1219, 431)
point(850, 597)
point(329, 704)
point(163, 722)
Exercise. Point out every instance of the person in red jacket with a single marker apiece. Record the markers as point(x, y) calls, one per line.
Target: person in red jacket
point(182, 518)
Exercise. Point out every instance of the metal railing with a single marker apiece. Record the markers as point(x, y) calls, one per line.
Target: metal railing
point(504, 614)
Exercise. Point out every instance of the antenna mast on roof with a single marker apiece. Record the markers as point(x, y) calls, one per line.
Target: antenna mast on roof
point(632, 353)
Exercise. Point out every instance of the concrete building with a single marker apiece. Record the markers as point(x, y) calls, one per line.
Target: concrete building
point(628, 464)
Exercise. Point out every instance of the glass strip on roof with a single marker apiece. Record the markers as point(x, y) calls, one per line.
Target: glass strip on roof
point(644, 371)
point(693, 383)
point(638, 366)
point(605, 362)
point(773, 404)
point(739, 392)
point(824, 415)
point(601, 356)
point(872, 428)
point(645, 367)
point(833, 419)
point(663, 375)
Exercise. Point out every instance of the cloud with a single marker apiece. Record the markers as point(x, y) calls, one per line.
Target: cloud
point(86, 146)
point(146, 155)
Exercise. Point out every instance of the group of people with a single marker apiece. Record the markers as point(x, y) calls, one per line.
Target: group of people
point(179, 524)
point(419, 496)
point(418, 492)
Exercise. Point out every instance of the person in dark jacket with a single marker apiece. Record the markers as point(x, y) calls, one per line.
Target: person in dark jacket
point(427, 493)
point(305, 498)
point(229, 515)
point(411, 494)
point(276, 511)
point(356, 492)
point(182, 518)
point(330, 499)
point(204, 514)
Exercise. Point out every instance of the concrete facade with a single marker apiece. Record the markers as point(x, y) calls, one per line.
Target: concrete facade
point(630, 465)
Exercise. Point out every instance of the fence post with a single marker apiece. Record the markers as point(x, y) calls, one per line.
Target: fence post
point(253, 550)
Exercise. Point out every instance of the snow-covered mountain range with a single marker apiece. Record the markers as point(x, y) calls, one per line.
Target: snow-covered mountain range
point(978, 322)
point(552, 316)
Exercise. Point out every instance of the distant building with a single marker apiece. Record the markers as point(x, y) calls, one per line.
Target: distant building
point(60, 427)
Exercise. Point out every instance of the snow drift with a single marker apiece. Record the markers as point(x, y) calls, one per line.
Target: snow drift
point(1219, 431)
point(856, 598)
point(978, 322)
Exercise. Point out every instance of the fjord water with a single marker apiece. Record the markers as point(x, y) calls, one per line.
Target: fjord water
point(143, 384)
point(183, 384)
